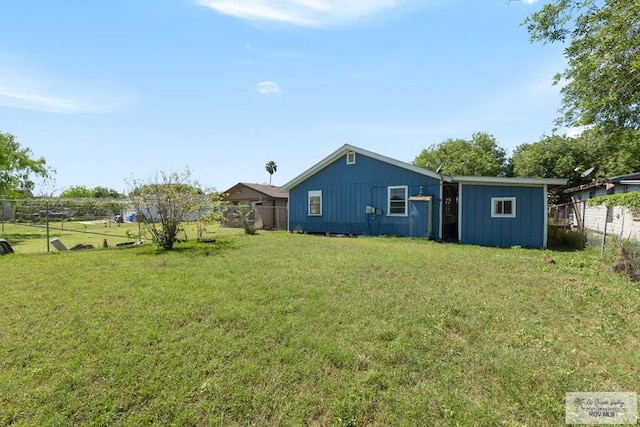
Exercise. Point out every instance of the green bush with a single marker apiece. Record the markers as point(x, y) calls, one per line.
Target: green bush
point(249, 227)
point(558, 238)
point(626, 259)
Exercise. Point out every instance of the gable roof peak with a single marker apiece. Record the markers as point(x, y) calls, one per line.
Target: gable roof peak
point(347, 148)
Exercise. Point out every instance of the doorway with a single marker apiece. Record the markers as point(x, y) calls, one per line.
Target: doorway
point(450, 212)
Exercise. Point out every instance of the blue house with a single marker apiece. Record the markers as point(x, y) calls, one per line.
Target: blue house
point(357, 192)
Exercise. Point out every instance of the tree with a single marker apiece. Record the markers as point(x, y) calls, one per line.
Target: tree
point(480, 156)
point(17, 167)
point(77, 192)
point(164, 202)
point(271, 167)
point(106, 193)
point(552, 157)
point(80, 191)
point(603, 55)
point(564, 157)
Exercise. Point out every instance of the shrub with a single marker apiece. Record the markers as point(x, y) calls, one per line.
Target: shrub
point(249, 227)
point(564, 239)
point(164, 202)
point(626, 259)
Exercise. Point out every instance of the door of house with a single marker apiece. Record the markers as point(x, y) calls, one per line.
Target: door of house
point(420, 217)
point(450, 212)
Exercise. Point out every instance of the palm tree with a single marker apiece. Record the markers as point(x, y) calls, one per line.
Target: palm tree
point(271, 167)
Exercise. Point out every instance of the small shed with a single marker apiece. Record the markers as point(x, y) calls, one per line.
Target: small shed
point(503, 211)
point(358, 192)
point(266, 205)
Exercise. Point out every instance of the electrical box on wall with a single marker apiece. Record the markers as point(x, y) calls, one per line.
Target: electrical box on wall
point(378, 212)
point(370, 209)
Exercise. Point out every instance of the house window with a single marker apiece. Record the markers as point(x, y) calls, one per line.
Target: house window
point(503, 207)
point(315, 203)
point(397, 201)
point(351, 158)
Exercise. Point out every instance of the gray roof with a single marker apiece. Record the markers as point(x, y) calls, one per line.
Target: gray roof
point(469, 179)
point(631, 178)
point(343, 151)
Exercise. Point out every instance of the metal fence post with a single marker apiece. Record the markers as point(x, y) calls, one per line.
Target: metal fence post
point(604, 237)
point(584, 227)
point(46, 204)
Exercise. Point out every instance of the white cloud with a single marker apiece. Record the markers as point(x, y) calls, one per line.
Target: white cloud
point(18, 98)
point(28, 84)
point(32, 91)
point(268, 88)
point(306, 13)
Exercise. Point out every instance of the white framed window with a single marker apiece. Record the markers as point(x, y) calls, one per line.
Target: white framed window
point(397, 200)
point(351, 157)
point(503, 207)
point(315, 203)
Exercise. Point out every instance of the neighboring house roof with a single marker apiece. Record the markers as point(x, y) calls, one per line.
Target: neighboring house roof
point(343, 151)
point(631, 178)
point(268, 190)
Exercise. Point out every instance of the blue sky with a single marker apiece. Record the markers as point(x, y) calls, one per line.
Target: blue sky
point(110, 91)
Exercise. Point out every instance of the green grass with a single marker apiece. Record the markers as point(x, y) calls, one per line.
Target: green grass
point(32, 237)
point(281, 329)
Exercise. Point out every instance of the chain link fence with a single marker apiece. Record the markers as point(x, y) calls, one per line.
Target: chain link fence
point(40, 225)
point(596, 224)
point(263, 217)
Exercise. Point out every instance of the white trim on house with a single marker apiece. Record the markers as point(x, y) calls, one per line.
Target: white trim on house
point(351, 157)
point(502, 200)
point(406, 200)
point(314, 194)
point(459, 211)
point(440, 194)
point(489, 180)
point(545, 229)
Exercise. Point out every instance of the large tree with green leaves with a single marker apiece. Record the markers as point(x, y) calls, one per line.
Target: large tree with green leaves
point(602, 78)
point(564, 157)
point(479, 156)
point(18, 167)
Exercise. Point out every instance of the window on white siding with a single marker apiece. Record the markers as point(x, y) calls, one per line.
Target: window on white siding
point(351, 157)
point(315, 203)
point(397, 201)
point(503, 207)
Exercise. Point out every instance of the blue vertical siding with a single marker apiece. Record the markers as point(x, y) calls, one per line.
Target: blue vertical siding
point(348, 189)
point(478, 227)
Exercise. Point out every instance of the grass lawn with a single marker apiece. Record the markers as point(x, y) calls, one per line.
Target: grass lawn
point(32, 237)
point(281, 329)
